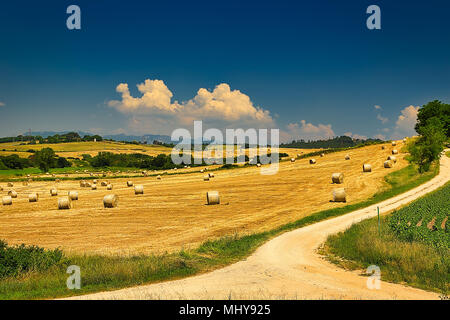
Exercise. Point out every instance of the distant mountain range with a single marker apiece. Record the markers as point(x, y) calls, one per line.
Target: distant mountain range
point(149, 138)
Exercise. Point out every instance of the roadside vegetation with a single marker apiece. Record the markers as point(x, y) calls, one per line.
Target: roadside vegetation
point(100, 273)
point(412, 245)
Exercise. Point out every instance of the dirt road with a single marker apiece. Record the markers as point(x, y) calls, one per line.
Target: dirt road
point(289, 267)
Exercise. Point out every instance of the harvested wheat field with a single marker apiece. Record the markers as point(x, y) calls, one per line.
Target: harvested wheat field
point(172, 213)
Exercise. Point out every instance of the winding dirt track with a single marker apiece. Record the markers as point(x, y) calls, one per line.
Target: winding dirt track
point(289, 267)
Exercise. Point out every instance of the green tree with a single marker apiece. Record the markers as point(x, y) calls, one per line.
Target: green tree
point(434, 109)
point(45, 159)
point(429, 145)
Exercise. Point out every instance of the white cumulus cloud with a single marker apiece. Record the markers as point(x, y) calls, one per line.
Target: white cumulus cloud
point(217, 108)
point(308, 131)
point(404, 126)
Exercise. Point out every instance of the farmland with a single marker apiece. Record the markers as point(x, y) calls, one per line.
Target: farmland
point(172, 213)
point(412, 245)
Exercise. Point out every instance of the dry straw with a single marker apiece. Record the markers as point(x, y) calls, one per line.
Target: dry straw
point(206, 178)
point(388, 164)
point(367, 168)
point(312, 161)
point(53, 192)
point(292, 160)
point(395, 151)
point(339, 195)
point(82, 183)
point(337, 178)
point(129, 183)
point(104, 183)
point(7, 200)
point(347, 157)
point(110, 201)
point(213, 197)
point(64, 203)
point(73, 195)
point(158, 177)
point(394, 143)
point(94, 187)
point(139, 189)
point(12, 194)
point(211, 175)
point(10, 184)
point(392, 158)
point(33, 197)
point(109, 187)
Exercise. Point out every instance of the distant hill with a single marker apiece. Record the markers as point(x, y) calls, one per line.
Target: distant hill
point(337, 142)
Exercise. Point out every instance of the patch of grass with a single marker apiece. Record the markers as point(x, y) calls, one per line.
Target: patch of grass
point(448, 154)
point(412, 262)
point(100, 273)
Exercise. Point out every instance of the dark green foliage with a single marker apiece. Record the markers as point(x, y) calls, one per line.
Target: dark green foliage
point(14, 162)
point(18, 260)
point(337, 142)
point(429, 145)
point(434, 110)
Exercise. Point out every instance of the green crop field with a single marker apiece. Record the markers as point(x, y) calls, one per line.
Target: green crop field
point(425, 220)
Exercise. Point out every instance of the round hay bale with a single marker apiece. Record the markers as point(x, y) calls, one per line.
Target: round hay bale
point(10, 184)
point(206, 178)
point(211, 175)
point(7, 200)
point(367, 168)
point(139, 189)
point(312, 161)
point(1, 188)
point(129, 183)
point(73, 195)
point(292, 159)
point(394, 143)
point(383, 147)
point(158, 177)
point(33, 197)
point(64, 203)
point(94, 181)
point(109, 187)
point(94, 187)
point(201, 171)
point(339, 195)
point(104, 183)
point(388, 164)
point(110, 201)
point(53, 192)
point(395, 151)
point(404, 140)
point(258, 165)
point(82, 183)
point(12, 194)
point(347, 157)
point(88, 185)
point(392, 158)
point(337, 178)
point(25, 184)
point(322, 154)
point(213, 197)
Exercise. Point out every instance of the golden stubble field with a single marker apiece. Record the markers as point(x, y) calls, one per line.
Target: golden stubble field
point(77, 149)
point(172, 214)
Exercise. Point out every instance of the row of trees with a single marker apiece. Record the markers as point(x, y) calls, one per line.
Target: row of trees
point(337, 142)
point(57, 138)
point(43, 159)
point(433, 127)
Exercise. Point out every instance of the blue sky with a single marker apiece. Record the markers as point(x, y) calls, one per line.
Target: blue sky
point(310, 68)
